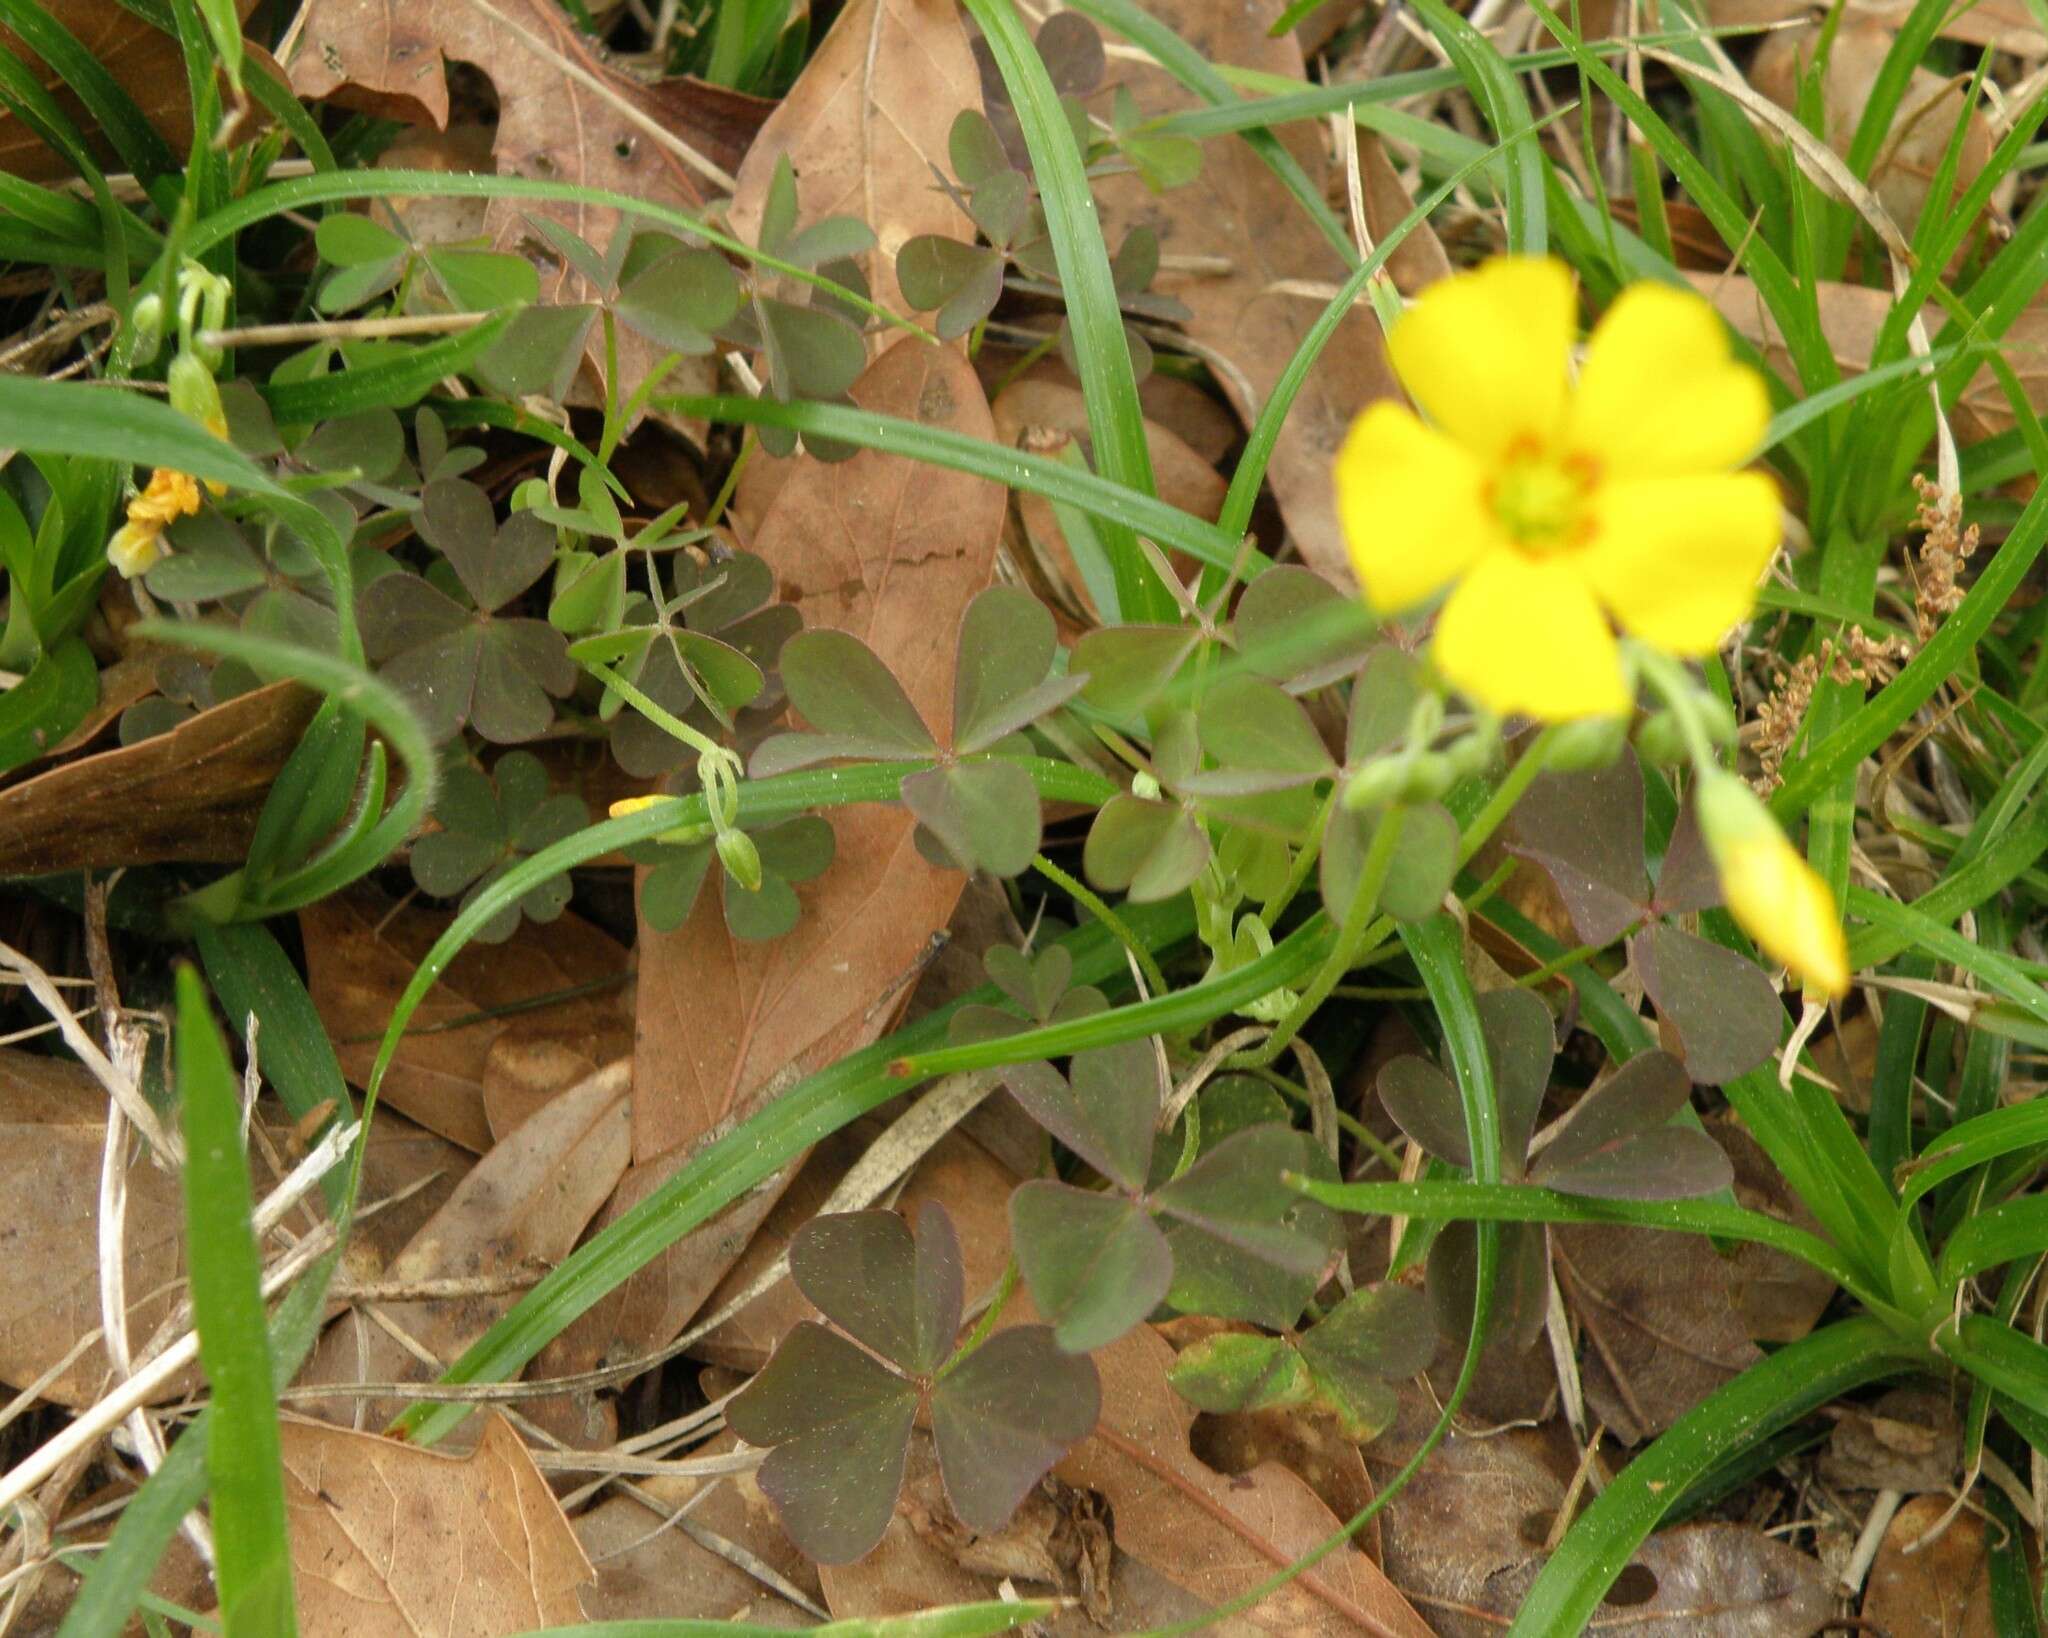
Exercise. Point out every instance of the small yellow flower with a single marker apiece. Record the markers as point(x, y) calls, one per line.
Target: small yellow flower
point(138, 543)
point(1769, 889)
point(1559, 511)
point(168, 497)
point(135, 549)
point(628, 805)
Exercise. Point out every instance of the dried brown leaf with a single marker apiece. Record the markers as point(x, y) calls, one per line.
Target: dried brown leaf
point(863, 126)
point(146, 63)
point(389, 58)
point(521, 1209)
point(360, 956)
point(391, 1541)
point(1215, 1536)
point(53, 1123)
point(1661, 1329)
point(191, 795)
point(1931, 1588)
point(1718, 1581)
point(1237, 210)
point(1911, 1439)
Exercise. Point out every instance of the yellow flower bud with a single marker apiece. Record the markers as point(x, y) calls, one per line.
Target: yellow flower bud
point(1770, 890)
point(135, 549)
point(628, 805)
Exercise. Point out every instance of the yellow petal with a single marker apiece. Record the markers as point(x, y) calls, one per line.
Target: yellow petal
point(134, 549)
point(627, 805)
point(1411, 504)
point(1485, 353)
point(1525, 635)
point(1780, 902)
point(1676, 560)
point(1660, 392)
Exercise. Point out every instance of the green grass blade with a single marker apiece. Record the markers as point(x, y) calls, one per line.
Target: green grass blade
point(393, 384)
point(253, 978)
point(2001, 1234)
point(244, 1461)
point(1098, 496)
point(1494, 87)
point(1116, 420)
point(1972, 1143)
point(71, 418)
point(1525, 1203)
point(1795, 1380)
point(1913, 928)
point(1199, 75)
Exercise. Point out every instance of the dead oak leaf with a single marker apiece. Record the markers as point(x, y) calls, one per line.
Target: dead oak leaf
point(390, 57)
point(1216, 1536)
point(359, 958)
point(863, 126)
point(391, 1541)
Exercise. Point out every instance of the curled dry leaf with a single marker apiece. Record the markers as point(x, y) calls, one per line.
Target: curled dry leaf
point(892, 552)
point(391, 1541)
point(389, 58)
point(520, 1210)
point(1911, 1439)
point(1238, 211)
point(863, 126)
point(1211, 1535)
point(359, 958)
point(1928, 1586)
point(191, 795)
point(51, 1139)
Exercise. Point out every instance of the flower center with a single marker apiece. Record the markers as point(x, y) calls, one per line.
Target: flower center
point(1540, 499)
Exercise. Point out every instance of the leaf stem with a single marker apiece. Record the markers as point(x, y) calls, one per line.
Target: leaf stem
point(1093, 903)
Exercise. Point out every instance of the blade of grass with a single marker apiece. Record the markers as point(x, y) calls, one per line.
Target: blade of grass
point(1525, 1203)
point(394, 383)
point(1096, 495)
point(112, 109)
point(1494, 87)
point(1800, 1377)
point(244, 1460)
point(1116, 421)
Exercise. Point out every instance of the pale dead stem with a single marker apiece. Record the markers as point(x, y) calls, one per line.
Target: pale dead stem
point(360, 329)
point(1200, 1499)
point(119, 1086)
point(653, 129)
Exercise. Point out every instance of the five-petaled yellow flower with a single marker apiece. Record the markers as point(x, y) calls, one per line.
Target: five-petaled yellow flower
point(138, 543)
point(1769, 889)
point(1559, 511)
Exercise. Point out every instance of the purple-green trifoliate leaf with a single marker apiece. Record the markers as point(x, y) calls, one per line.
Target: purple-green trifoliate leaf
point(1095, 1264)
point(1727, 1013)
point(1010, 1410)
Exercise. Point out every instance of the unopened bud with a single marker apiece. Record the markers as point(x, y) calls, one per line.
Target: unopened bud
point(1588, 742)
point(1661, 742)
point(742, 860)
point(145, 329)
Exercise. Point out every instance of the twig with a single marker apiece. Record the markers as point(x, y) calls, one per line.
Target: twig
point(360, 329)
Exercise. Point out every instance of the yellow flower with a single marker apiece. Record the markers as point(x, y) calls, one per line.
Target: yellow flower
point(138, 543)
point(135, 549)
point(1559, 511)
point(1769, 889)
point(168, 497)
point(627, 805)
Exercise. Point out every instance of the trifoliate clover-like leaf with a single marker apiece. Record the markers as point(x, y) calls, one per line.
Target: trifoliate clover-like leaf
point(839, 1417)
point(488, 824)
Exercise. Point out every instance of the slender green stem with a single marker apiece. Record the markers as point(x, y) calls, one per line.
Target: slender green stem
point(1359, 926)
point(1093, 903)
point(703, 744)
point(1505, 795)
